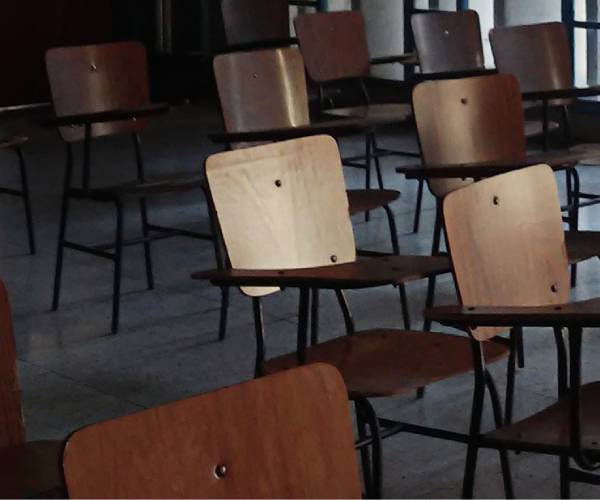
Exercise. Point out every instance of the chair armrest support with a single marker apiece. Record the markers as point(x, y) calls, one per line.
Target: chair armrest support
point(104, 116)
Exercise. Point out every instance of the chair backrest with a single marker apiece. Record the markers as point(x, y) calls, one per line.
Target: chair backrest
point(537, 54)
point(12, 429)
point(95, 78)
point(448, 41)
point(506, 240)
point(282, 205)
point(262, 89)
point(284, 436)
point(468, 120)
point(249, 21)
point(334, 45)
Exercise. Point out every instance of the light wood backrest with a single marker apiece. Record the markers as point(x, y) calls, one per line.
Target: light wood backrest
point(284, 436)
point(248, 21)
point(334, 45)
point(506, 240)
point(96, 78)
point(537, 54)
point(282, 205)
point(448, 41)
point(262, 89)
point(468, 120)
point(12, 429)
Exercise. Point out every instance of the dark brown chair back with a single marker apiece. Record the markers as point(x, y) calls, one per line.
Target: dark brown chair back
point(250, 21)
point(448, 41)
point(95, 78)
point(537, 54)
point(334, 45)
point(506, 240)
point(12, 429)
point(284, 436)
point(469, 120)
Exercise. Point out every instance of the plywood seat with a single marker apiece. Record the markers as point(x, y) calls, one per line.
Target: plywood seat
point(380, 363)
point(31, 470)
point(415, 267)
point(550, 427)
point(12, 141)
point(364, 200)
point(582, 245)
point(378, 114)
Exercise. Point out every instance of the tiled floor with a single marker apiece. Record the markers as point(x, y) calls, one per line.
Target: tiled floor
point(73, 372)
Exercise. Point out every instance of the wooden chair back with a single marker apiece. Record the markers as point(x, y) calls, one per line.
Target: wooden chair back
point(12, 429)
point(282, 206)
point(468, 120)
point(263, 89)
point(334, 45)
point(284, 436)
point(537, 54)
point(96, 78)
point(506, 240)
point(250, 21)
point(448, 41)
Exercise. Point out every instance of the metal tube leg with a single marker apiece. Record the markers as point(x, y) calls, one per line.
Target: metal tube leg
point(259, 330)
point(510, 380)
point(117, 271)
point(417, 220)
point(26, 200)
point(314, 317)
point(375, 148)
point(497, 408)
point(368, 157)
point(404, 305)
point(376, 450)
point(565, 485)
point(223, 314)
point(474, 427)
point(520, 347)
point(147, 251)
point(574, 215)
point(364, 451)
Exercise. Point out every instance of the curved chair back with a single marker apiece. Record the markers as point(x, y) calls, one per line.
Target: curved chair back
point(284, 436)
point(94, 78)
point(448, 41)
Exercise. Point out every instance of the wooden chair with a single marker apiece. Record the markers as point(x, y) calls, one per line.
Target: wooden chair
point(97, 91)
point(507, 244)
point(488, 126)
point(15, 143)
point(285, 436)
point(283, 212)
point(334, 47)
point(27, 469)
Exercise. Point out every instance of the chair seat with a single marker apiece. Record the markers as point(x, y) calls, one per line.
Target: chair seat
point(32, 470)
point(12, 141)
point(416, 267)
point(152, 187)
point(550, 427)
point(378, 114)
point(364, 200)
point(379, 363)
point(593, 149)
point(582, 245)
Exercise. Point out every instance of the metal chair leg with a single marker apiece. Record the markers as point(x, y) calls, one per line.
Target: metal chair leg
point(371, 419)
point(26, 200)
point(223, 312)
point(375, 150)
point(364, 451)
point(565, 484)
point(368, 157)
point(417, 219)
point(118, 268)
point(147, 250)
point(510, 379)
point(314, 318)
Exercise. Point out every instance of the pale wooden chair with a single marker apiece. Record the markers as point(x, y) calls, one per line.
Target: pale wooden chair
point(507, 244)
point(283, 212)
point(285, 436)
point(27, 469)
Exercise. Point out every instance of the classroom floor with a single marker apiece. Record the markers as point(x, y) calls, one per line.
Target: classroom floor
point(73, 372)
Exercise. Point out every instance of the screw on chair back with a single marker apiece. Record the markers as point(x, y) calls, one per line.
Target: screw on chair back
point(448, 41)
point(538, 55)
point(506, 239)
point(12, 429)
point(334, 45)
point(96, 78)
point(261, 90)
point(282, 206)
point(248, 21)
point(469, 120)
point(284, 436)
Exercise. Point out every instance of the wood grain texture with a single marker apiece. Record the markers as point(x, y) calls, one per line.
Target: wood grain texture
point(448, 41)
point(95, 78)
point(285, 436)
point(283, 205)
point(507, 242)
point(334, 45)
point(467, 121)
point(12, 428)
point(251, 21)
